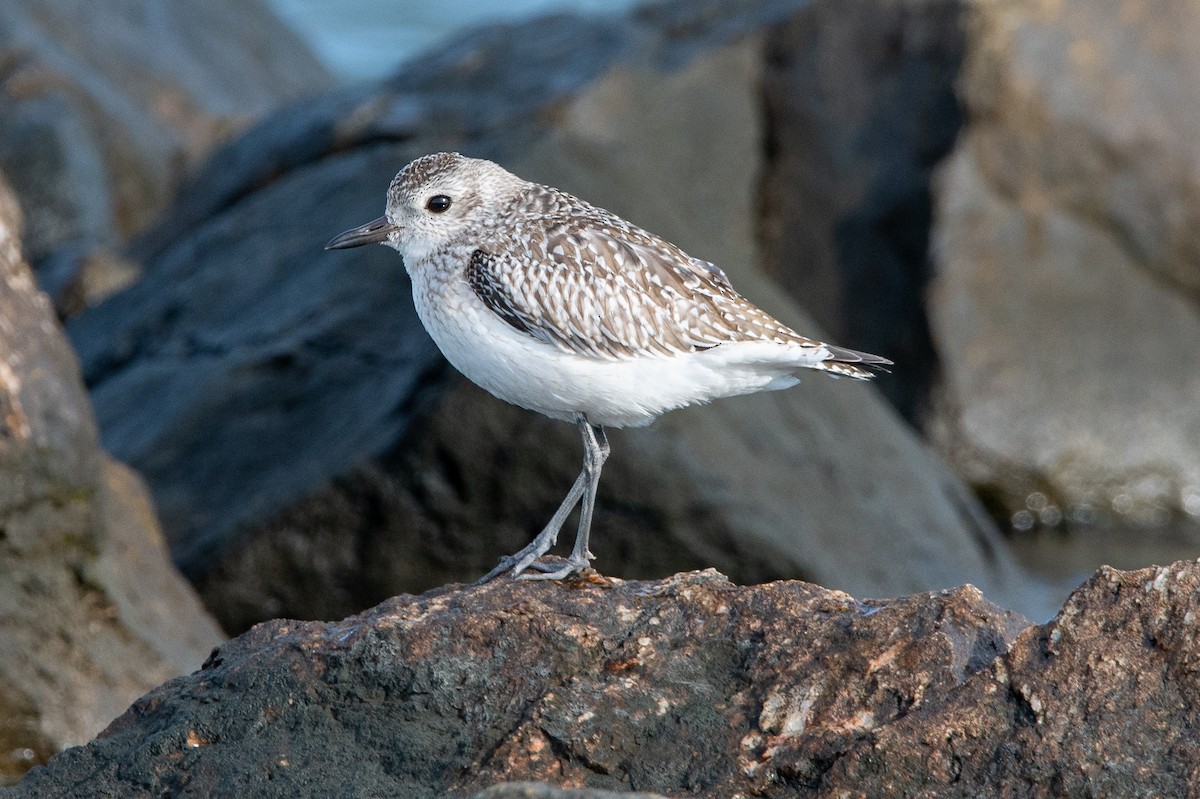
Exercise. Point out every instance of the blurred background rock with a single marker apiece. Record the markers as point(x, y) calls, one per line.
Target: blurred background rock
point(105, 109)
point(92, 614)
point(1003, 197)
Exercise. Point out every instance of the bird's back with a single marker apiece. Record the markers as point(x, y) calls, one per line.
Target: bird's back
point(591, 284)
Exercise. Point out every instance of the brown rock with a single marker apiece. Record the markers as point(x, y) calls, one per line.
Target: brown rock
point(538, 790)
point(1101, 701)
point(93, 612)
point(688, 686)
point(1064, 299)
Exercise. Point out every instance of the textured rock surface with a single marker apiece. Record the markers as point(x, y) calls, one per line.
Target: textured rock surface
point(539, 790)
point(1101, 701)
point(92, 613)
point(272, 409)
point(1065, 304)
point(100, 121)
point(686, 687)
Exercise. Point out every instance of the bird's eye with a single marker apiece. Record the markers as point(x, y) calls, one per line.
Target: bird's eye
point(438, 203)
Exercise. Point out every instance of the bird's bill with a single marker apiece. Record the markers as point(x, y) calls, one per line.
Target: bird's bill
point(374, 232)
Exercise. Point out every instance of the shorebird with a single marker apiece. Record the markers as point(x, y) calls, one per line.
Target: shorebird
point(558, 306)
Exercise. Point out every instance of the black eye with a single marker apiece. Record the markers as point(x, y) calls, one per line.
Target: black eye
point(438, 203)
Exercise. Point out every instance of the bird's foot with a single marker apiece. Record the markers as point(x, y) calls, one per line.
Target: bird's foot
point(547, 571)
point(517, 563)
point(539, 566)
point(506, 563)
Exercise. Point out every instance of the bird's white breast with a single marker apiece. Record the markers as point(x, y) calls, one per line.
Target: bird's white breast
point(533, 374)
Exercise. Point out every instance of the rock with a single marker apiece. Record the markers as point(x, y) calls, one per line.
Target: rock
point(961, 176)
point(538, 790)
point(1063, 304)
point(687, 686)
point(1101, 701)
point(860, 108)
point(94, 613)
point(310, 452)
point(100, 122)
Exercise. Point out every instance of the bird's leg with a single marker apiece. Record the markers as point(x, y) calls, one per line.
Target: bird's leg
point(521, 560)
point(596, 449)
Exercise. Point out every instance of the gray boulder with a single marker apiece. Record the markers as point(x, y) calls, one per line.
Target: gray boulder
point(1005, 194)
point(100, 120)
point(94, 613)
point(1064, 296)
point(859, 110)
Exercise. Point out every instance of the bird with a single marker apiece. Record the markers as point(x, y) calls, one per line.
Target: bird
point(561, 307)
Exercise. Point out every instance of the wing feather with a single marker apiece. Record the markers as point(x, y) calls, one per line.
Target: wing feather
point(596, 286)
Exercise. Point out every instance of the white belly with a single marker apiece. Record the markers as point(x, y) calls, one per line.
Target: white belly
point(521, 370)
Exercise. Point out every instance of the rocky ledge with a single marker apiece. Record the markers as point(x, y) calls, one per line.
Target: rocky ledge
point(690, 686)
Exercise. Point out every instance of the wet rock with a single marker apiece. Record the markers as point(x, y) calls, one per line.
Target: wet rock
point(311, 453)
point(99, 122)
point(93, 612)
point(686, 686)
point(1065, 303)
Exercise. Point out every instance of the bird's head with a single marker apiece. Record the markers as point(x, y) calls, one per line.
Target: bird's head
point(434, 202)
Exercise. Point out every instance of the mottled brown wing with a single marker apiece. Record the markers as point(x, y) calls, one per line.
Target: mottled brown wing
point(601, 288)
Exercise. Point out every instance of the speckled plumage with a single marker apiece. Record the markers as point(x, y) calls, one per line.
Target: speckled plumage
point(589, 283)
point(561, 307)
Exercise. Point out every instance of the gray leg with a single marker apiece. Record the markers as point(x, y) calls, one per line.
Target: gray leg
point(520, 561)
point(596, 450)
point(595, 446)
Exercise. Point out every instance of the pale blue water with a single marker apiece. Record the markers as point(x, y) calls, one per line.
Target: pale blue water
point(360, 39)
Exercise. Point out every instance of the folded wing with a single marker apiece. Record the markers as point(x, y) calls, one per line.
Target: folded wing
point(601, 288)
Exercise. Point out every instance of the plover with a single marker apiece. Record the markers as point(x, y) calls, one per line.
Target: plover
point(558, 306)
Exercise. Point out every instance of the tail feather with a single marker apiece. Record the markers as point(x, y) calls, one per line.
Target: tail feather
point(852, 363)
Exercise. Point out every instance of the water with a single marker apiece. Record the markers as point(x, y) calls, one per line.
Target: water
point(362, 39)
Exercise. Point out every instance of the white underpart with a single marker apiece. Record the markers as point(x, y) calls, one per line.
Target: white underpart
point(615, 393)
